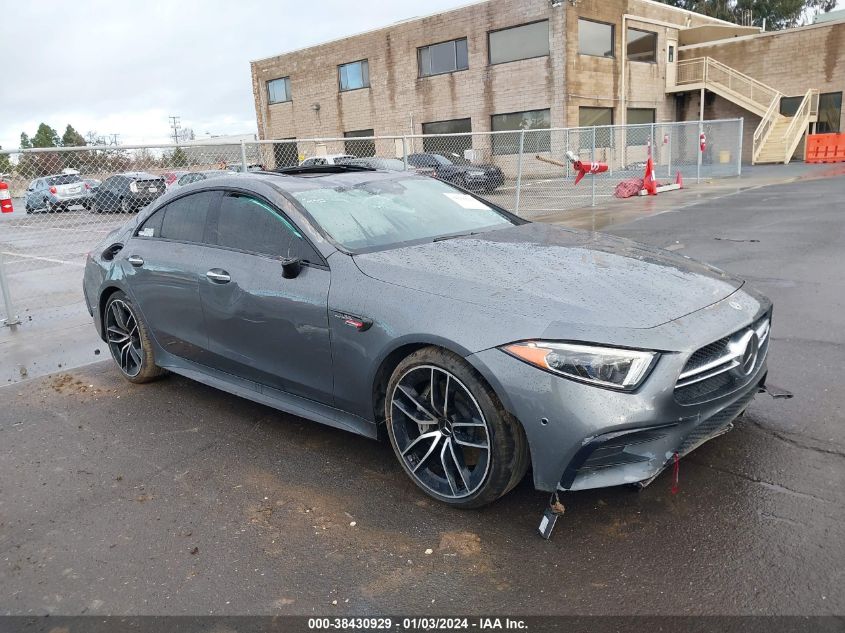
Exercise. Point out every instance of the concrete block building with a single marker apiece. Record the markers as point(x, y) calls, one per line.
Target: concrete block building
point(532, 64)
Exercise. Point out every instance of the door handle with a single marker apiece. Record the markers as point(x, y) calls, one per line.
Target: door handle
point(136, 261)
point(218, 276)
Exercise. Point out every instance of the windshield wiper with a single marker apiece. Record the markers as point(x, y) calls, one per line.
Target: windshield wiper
point(442, 238)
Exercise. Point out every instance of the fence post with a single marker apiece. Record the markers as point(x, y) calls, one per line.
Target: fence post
point(669, 150)
point(405, 151)
point(698, 152)
point(519, 169)
point(11, 319)
point(654, 146)
point(243, 156)
point(739, 148)
point(593, 177)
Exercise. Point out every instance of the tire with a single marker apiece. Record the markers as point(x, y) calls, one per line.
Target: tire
point(468, 465)
point(128, 340)
point(124, 206)
point(48, 206)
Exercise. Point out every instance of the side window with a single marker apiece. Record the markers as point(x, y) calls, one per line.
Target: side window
point(152, 225)
point(250, 224)
point(184, 219)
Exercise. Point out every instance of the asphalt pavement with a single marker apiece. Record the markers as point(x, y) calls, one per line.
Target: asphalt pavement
point(174, 498)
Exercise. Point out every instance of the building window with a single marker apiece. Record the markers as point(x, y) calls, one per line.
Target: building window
point(446, 57)
point(449, 146)
point(519, 42)
point(359, 148)
point(354, 75)
point(830, 112)
point(641, 46)
point(530, 120)
point(286, 153)
point(639, 116)
point(789, 105)
point(595, 38)
point(278, 90)
point(593, 117)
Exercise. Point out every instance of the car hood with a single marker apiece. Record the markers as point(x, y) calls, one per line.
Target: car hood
point(556, 275)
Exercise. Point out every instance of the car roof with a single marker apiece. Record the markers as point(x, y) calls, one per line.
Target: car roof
point(138, 174)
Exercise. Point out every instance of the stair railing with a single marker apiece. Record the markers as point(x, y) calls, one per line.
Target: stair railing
point(765, 127)
point(795, 132)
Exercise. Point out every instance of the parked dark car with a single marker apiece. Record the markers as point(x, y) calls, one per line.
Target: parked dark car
point(467, 176)
point(481, 342)
point(57, 193)
point(127, 192)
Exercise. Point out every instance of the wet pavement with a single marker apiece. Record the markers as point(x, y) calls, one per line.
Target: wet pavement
point(176, 498)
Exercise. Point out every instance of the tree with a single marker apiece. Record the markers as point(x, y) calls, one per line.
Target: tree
point(25, 142)
point(5, 163)
point(178, 158)
point(46, 137)
point(72, 138)
point(778, 14)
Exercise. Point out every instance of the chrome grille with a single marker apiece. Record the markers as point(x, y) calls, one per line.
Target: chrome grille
point(715, 369)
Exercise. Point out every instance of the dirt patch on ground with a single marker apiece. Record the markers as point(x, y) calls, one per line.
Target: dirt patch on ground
point(85, 387)
point(461, 543)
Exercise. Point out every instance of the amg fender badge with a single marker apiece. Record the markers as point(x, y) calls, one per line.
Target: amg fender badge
point(359, 323)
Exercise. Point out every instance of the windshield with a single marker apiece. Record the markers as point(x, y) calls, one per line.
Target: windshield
point(383, 213)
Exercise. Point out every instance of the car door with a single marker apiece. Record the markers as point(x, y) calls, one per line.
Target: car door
point(164, 260)
point(102, 196)
point(32, 193)
point(262, 326)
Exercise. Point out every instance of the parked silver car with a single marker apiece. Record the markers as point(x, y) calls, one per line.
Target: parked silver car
point(480, 342)
point(57, 193)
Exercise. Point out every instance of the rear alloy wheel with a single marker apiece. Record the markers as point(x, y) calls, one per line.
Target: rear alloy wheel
point(128, 340)
point(124, 206)
point(450, 432)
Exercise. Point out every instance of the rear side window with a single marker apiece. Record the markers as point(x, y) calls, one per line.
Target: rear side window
point(183, 219)
point(250, 224)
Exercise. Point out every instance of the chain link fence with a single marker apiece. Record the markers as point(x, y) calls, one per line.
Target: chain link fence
point(66, 200)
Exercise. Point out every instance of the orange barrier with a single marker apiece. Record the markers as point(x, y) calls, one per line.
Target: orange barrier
point(825, 148)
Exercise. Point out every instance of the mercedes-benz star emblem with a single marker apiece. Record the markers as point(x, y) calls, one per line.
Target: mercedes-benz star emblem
point(750, 346)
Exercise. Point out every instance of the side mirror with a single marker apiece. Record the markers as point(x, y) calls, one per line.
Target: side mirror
point(291, 267)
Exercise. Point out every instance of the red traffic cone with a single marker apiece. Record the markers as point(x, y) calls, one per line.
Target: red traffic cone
point(679, 180)
point(649, 182)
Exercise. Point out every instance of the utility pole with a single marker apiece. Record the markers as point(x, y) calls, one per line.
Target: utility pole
point(174, 125)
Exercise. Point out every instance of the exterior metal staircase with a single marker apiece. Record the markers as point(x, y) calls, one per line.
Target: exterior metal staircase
point(777, 136)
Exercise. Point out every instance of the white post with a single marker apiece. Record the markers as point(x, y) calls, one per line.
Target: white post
point(519, 169)
point(593, 177)
point(700, 131)
point(669, 152)
point(11, 319)
point(739, 148)
point(243, 156)
point(405, 151)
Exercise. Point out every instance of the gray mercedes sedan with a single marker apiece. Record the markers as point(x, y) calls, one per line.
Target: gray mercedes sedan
point(482, 344)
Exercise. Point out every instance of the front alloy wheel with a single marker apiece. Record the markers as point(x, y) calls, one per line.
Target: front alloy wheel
point(450, 432)
point(128, 340)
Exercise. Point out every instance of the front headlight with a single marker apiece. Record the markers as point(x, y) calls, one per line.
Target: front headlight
point(133, 187)
point(609, 367)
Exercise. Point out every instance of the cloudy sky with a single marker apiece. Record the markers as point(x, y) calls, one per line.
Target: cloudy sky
point(123, 67)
